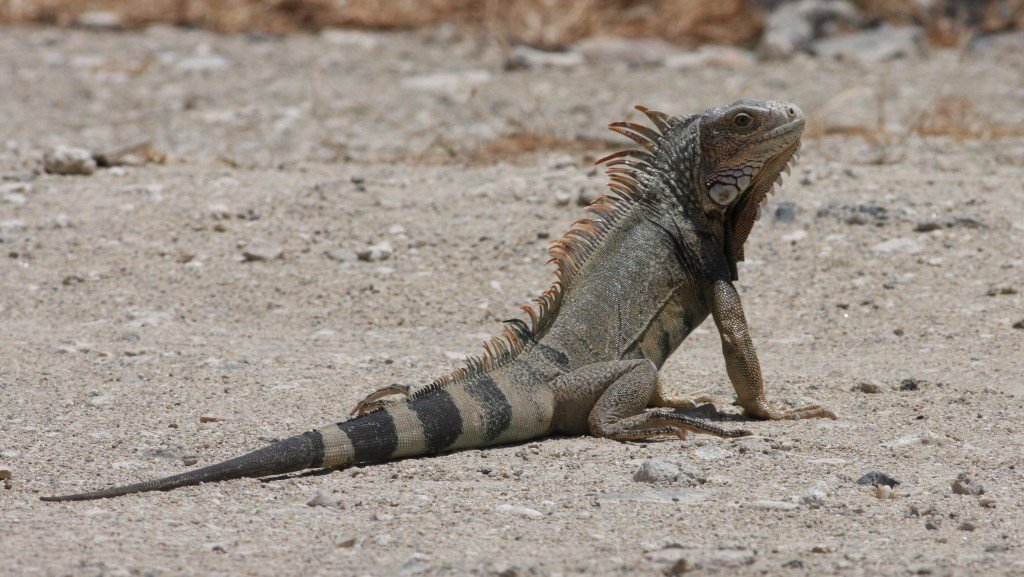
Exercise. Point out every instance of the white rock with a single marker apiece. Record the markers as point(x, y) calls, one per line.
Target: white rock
point(768, 505)
point(69, 160)
point(324, 499)
point(377, 252)
point(204, 63)
point(450, 83)
point(925, 437)
point(795, 236)
point(898, 245)
point(99, 20)
point(350, 38)
point(519, 511)
point(260, 250)
point(532, 58)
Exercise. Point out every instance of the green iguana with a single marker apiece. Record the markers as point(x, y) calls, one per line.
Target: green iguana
point(646, 266)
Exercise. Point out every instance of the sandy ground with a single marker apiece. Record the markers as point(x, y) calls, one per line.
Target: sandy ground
point(128, 312)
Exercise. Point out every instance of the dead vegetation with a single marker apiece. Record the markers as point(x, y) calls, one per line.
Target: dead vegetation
point(547, 24)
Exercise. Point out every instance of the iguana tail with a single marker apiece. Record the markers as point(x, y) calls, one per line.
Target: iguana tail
point(472, 412)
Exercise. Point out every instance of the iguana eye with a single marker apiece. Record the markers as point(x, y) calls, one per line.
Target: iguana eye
point(742, 120)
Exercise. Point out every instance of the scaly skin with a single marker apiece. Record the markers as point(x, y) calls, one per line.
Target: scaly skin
point(646, 267)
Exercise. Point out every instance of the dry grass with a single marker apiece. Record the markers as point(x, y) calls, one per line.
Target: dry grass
point(542, 23)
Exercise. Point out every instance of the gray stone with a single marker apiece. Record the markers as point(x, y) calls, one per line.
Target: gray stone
point(324, 498)
point(785, 211)
point(260, 250)
point(877, 478)
point(656, 471)
point(339, 255)
point(898, 245)
point(69, 160)
point(871, 46)
point(416, 563)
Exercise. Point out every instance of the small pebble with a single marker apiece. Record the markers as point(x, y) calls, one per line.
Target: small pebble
point(656, 471)
point(562, 198)
point(1019, 325)
point(189, 460)
point(910, 385)
point(883, 492)
point(967, 526)
point(262, 251)
point(987, 502)
point(875, 478)
point(795, 236)
point(869, 387)
point(211, 418)
point(68, 160)
point(324, 498)
point(785, 212)
point(338, 255)
point(5, 473)
point(520, 511)
point(375, 253)
point(587, 195)
point(964, 485)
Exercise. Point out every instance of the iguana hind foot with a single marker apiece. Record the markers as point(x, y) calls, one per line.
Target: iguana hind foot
point(374, 400)
point(665, 423)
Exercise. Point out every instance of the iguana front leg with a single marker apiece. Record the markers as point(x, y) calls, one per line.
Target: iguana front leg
point(741, 359)
point(660, 399)
point(609, 399)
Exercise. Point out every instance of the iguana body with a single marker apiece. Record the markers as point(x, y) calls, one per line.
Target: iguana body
point(647, 266)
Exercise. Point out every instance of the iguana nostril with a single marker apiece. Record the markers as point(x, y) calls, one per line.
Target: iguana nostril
point(791, 111)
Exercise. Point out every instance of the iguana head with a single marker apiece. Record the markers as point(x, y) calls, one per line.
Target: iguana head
point(745, 148)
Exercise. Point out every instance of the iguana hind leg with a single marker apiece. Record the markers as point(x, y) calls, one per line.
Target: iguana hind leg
point(374, 400)
point(617, 394)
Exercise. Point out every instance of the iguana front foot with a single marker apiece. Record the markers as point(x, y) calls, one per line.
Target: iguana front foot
point(659, 399)
point(373, 401)
point(762, 410)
